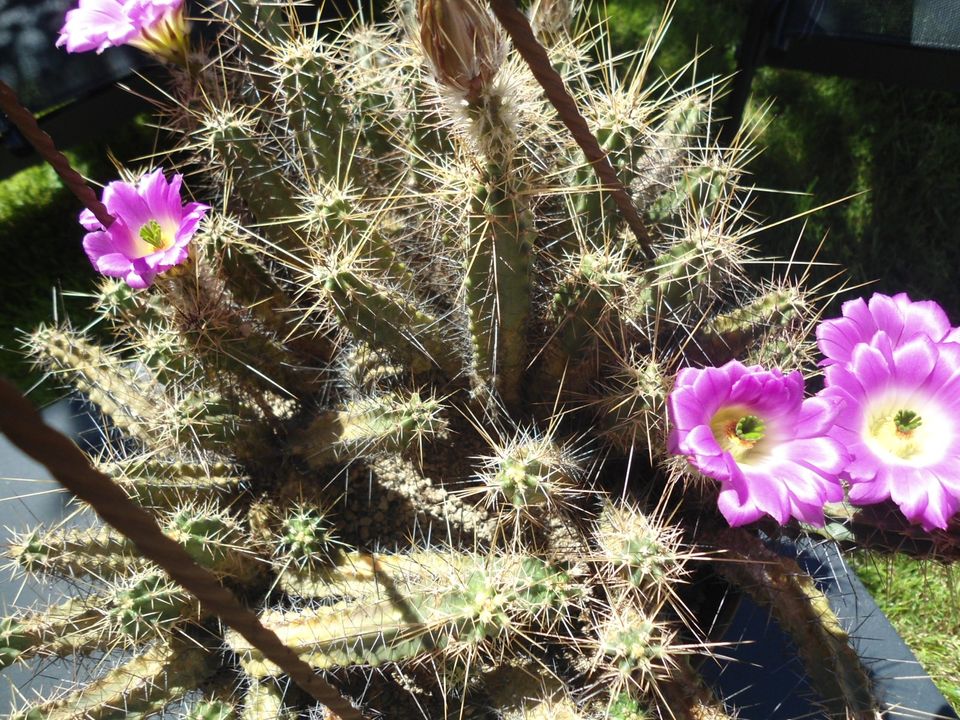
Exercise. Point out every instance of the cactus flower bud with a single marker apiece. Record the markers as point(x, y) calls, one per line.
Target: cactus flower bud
point(463, 43)
point(552, 17)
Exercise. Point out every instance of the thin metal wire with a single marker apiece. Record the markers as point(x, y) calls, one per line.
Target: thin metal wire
point(27, 125)
point(534, 54)
point(25, 428)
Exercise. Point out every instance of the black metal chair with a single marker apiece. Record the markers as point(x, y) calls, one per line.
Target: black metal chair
point(74, 93)
point(912, 42)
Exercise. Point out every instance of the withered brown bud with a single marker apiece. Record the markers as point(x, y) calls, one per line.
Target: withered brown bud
point(463, 43)
point(552, 17)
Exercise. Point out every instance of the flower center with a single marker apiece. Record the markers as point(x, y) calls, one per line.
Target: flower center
point(900, 435)
point(152, 234)
point(739, 433)
point(750, 429)
point(906, 421)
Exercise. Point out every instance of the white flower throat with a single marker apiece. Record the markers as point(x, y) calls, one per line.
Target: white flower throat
point(906, 430)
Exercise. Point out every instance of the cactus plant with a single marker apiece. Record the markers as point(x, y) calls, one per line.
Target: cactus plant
point(406, 394)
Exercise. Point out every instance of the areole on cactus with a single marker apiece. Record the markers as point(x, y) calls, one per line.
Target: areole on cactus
point(410, 398)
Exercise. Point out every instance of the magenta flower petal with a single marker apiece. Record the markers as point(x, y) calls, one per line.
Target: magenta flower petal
point(752, 430)
point(153, 25)
point(89, 220)
point(900, 422)
point(96, 25)
point(151, 231)
point(103, 255)
point(898, 316)
point(736, 509)
point(816, 417)
point(869, 492)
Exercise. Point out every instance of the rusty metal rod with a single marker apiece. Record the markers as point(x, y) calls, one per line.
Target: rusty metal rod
point(534, 54)
point(25, 428)
point(27, 125)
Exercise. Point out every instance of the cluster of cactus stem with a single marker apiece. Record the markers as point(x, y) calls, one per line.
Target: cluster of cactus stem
point(406, 398)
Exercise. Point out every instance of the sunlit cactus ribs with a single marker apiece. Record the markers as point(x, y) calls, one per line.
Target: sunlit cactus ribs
point(408, 384)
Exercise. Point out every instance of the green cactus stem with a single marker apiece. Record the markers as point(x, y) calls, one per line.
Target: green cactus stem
point(458, 615)
point(264, 700)
point(337, 219)
point(211, 710)
point(306, 538)
point(669, 155)
point(639, 551)
point(170, 483)
point(258, 25)
point(585, 297)
point(313, 105)
point(388, 423)
point(636, 650)
point(383, 318)
point(585, 310)
point(701, 189)
point(72, 627)
point(148, 605)
point(98, 552)
point(255, 288)
point(625, 707)
point(227, 337)
point(340, 635)
point(134, 403)
point(593, 205)
point(269, 195)
point(497, 282)
point(124, 307)
point(779, 583)
point(632, 402)
point(686, 275)
point(404, 477)
point(367, 577)
point(146, 684)
point(531, 476)
point(732, 333)
point(367, 369)
point(213, 541)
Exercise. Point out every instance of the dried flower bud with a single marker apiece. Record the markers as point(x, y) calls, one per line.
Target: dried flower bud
point(463, 43)
point(549, 18)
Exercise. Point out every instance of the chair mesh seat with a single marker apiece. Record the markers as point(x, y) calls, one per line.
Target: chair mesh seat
point(922, 23)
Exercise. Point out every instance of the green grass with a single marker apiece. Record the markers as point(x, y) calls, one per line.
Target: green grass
point(921, 600)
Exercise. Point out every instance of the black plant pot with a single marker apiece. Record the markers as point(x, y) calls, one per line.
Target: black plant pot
point(762, 676)
point(759, 672)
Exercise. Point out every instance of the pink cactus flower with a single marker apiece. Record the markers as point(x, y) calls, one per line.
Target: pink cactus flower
point(899, 317)
point(150, 233)
point(900, 421)
point(752, 430)
point(156, 26)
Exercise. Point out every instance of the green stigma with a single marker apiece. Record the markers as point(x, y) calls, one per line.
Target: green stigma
point(152, 234)
point(906, 421)
point(750, 428)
